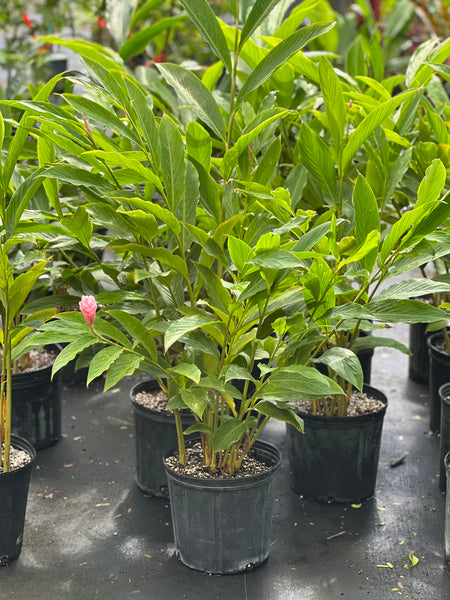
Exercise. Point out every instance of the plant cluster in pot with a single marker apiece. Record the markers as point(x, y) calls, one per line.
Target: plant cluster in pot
point(337, 456)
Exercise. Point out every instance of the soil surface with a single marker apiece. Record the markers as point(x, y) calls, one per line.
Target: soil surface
point(17, 459)
point(35, 360)
point(195, 467)
point(360, 404)
point(156, 400)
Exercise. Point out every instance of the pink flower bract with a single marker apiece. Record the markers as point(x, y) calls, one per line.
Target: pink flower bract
point(88, 307)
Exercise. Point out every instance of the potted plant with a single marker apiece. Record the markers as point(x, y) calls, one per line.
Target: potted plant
point(341, 295)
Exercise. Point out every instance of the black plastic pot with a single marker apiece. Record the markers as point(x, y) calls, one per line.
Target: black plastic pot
point(336, 459)
point(155, 433)
point(439, 374)
point(36, 407)
point(444, 395)
point(13, 503)
point(447, 508)
point(222, 526)
point(419, 362)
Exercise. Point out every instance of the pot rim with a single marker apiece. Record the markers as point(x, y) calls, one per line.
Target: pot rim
point(354, 419)
point(20, 443)
point(273, 456)
point(432, 340)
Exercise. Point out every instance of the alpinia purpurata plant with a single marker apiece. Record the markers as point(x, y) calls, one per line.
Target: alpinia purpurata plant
point(214, 266)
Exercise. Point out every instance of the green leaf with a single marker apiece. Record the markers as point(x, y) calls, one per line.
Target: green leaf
point(280, 413)
point(184, 325)
point(198, 428)
point(172, 162)
point(70, 352)
point(102, 361)
point(405, 311)
point(227, 434)
point(79, 225)
point(138, 42)
point(199, 144)
point(208, 25)
point(345, 363)
point(137, 330)
point(217, 292)
point(317, 158)
point(240, 253)
point(196, 399)
point(193, 93)
point(278, 56)
point(100, 114)
point(276, 259)
point(20, 288)
point(298, 382)
point(334, 102)
point(119, 15)
point(231, 156)
point(432, 184)
point(126, 364)
point(369, 124)
point(368, 342)
point(260, 10)
point(367, 248)
point(412, 288)
point(236, 372)
point(367, 217)
point(268, 165)
point(116, 160)
point(188, 370)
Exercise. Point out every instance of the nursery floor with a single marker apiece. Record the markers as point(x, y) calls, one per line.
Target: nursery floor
point(90, 532)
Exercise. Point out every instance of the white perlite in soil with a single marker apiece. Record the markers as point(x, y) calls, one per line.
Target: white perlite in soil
point(36, 360)
point(17, 459)
point(195, 467)
point(155, 400)
point(360, 404)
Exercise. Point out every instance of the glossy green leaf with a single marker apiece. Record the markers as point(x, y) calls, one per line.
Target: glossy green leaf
point(405, 311)
point(280, 413)
point(208, 25)
point(369, 124)
point(345, 363)
point(199, 144)
point(72, 350)
point(278, 56)
point(316, 157)
point(369, 342)
point(172, 162)
point(196, 399)
point(136, 329)
point(259, 11)
point(232, 155)
point(188, 370)
point(299, 382)
point(125, 364)
point(412, 288)
point(432, 184)
point(79, 225)
point(227, 434)
point(184, 325)
point(334, 102)
point(367, 218)
point(138, 42)
point(20, 288)
point(192, 92)
point(102, 361)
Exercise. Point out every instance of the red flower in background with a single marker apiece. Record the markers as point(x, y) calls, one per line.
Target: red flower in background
point(26, 19)
point(160, 58)
point(101, 22)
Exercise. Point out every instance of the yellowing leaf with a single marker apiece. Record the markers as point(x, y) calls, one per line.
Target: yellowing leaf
point(413, 558)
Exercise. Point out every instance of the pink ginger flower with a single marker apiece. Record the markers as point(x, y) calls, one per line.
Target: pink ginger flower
point(88, 307)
